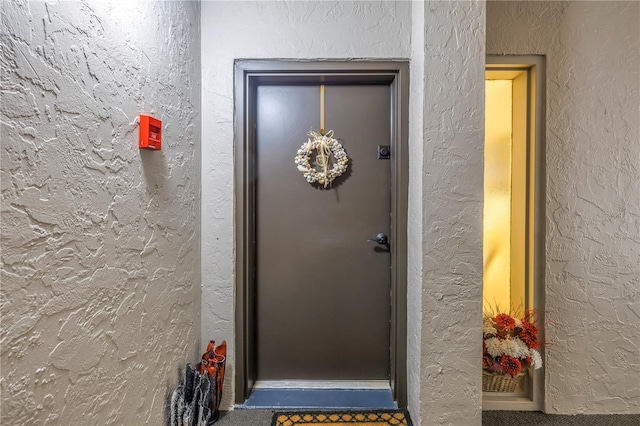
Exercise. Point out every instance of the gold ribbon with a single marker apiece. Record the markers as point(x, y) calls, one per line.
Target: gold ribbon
point(322, 109)
point(324, 151)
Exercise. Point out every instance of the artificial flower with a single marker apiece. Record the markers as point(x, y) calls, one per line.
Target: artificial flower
point(505, 321)
point(511, 365)
point(510, 344)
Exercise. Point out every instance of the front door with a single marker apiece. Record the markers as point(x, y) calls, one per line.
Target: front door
point(322, 287)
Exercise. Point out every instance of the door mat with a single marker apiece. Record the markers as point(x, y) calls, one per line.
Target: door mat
point(337, 418)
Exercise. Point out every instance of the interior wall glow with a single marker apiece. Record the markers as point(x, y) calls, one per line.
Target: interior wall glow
point(497, 194)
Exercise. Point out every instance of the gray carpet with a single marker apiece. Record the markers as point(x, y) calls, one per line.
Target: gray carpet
point(489, 418)
point(245, 418)
point(525, 418)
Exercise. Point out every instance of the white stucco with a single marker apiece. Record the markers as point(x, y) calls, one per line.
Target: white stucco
point(417, 105)
point(452, 194)
point(101, 242)
point(258, 29)
point(593, 194)
point(100, 294)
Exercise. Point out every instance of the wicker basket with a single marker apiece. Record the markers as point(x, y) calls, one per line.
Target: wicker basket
point(494, 382)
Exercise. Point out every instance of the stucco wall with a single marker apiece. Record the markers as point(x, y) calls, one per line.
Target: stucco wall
point(100, 240)
point(452, 191)
point(258, 29)
point(593, 194)
point(415, 209)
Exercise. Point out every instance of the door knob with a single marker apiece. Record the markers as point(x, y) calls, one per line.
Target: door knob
point(380, 239)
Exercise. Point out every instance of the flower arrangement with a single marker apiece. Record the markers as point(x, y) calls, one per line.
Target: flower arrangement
point(509, 346)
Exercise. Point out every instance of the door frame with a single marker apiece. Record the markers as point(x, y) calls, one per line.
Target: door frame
point(248, 75)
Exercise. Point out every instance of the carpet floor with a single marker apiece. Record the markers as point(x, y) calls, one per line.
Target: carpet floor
point(525, 418)
point(489, 418)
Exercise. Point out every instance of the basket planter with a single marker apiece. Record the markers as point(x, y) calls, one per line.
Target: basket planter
point(495, 382)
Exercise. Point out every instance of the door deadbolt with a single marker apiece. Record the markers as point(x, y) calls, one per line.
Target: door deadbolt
point(384, 152)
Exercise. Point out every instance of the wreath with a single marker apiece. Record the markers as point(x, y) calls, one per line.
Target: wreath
point(326, 146)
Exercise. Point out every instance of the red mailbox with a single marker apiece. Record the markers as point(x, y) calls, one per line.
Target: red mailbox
point(150, 132)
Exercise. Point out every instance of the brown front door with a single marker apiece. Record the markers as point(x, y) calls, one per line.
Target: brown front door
point(322, 292)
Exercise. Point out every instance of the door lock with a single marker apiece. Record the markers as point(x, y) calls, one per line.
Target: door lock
point(384, 152)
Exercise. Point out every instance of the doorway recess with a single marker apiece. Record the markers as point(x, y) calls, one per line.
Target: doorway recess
point(263, 81)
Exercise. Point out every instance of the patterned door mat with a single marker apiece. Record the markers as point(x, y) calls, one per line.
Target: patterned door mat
point(337, 418)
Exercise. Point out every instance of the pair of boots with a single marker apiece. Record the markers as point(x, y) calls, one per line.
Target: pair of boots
point(197, 402)
point(213, 363)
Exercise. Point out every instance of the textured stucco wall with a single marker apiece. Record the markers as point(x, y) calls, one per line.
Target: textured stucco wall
point(258, 29)
point(452, 190)
point(593, 194)
point(100, 241)
point(417, 103)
